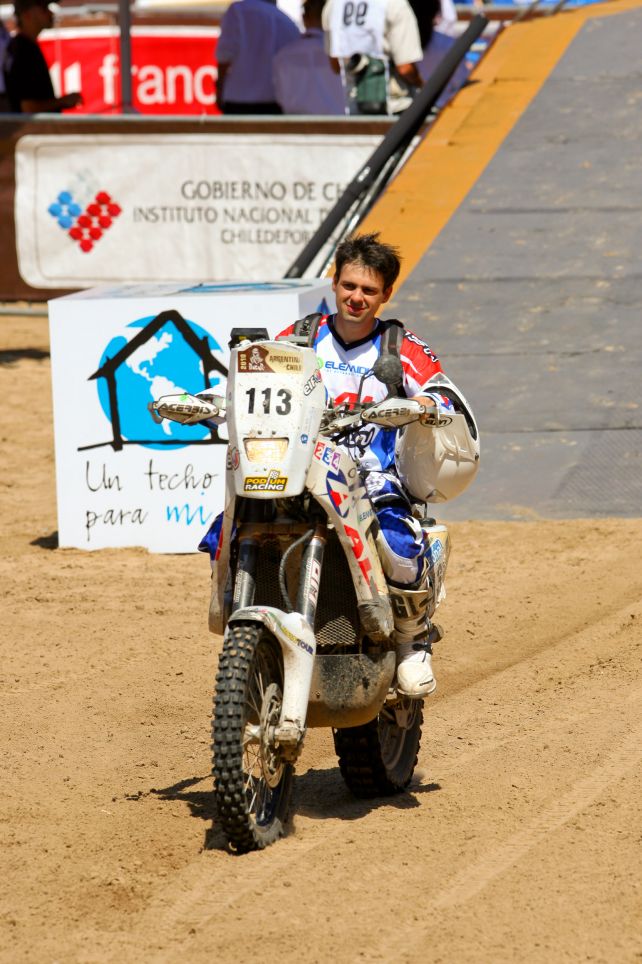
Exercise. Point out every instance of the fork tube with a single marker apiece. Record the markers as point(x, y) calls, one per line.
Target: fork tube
point(311, 563)
point(245, 582)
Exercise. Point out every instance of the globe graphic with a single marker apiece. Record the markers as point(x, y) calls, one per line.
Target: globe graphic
point(164, 365)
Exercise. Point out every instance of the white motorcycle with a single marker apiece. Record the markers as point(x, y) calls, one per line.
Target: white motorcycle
point(298, 589)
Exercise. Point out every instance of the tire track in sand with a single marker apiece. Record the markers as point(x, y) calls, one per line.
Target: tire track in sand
point(469, 882)
point(197, 897)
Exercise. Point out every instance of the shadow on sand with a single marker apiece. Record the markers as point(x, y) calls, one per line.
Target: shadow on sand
point(317, 794)
point(46, 542)
point(8, 356)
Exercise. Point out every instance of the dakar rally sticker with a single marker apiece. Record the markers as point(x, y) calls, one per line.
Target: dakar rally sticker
point(265, 483)
point(233, 458)
point(259, 359)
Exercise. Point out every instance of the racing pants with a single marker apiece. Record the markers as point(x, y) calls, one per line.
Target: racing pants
point(401, 540)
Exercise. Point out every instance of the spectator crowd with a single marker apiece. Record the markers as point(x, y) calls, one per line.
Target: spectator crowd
point(351, 57)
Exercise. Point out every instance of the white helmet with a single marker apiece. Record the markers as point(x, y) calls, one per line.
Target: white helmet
point(437, 463)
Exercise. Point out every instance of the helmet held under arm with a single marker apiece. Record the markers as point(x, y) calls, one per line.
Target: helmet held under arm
point(436, 463)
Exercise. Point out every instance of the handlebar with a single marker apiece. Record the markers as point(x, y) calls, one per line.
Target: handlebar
point(188, 409)
point(390, 413)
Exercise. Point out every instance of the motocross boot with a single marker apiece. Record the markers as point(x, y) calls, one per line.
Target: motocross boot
point(414, 636)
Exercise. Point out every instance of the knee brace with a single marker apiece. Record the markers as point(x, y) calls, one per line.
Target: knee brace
point(412, 608)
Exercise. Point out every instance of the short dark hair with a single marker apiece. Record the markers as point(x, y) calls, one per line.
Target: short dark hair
point(313, 8)
point(368, 251)
point(21, 6)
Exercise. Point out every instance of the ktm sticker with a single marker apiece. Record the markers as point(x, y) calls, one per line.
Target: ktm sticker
point(339, 491)
point(259, 359)
point(359, 551)
point(265, 483)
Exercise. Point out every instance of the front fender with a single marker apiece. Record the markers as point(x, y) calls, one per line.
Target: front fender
point(298, 645)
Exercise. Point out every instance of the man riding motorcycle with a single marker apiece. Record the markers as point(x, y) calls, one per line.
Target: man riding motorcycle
point(397, 465)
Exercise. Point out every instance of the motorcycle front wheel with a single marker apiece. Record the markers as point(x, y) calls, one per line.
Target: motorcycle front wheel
point(252, 783)
point(378, 759)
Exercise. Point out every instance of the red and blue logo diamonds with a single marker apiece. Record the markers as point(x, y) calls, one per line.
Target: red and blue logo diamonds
point(86, 227)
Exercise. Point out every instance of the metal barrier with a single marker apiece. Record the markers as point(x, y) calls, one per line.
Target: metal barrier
point(227, 133)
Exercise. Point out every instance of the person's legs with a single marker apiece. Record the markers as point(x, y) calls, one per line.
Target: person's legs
point(401, 547)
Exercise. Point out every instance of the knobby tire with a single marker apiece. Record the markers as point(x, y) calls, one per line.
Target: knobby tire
point(378, 758)
point(252, 809)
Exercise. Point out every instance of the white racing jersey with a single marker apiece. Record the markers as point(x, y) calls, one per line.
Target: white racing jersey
point(357, 27)
point(344, 365)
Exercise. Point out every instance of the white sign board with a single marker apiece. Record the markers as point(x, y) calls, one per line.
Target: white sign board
point(122, 479)
point(142, 207)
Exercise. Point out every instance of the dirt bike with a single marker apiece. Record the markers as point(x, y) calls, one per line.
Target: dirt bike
point(298, 588)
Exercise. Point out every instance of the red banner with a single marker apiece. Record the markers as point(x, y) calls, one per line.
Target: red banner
point(173, 68)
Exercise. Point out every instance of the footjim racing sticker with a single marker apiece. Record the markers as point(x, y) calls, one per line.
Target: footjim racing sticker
point(274, 482)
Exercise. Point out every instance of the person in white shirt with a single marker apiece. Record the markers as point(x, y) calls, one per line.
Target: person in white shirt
point(366, 38)
point(446, 20)
point(304, 81)
point(437, 21)
point(294, 10)
point(252, 31)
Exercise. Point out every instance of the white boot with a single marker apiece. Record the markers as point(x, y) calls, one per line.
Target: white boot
point(415, 677)
point(414, 635)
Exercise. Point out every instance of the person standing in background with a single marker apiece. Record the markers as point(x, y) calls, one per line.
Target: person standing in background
point(5, 37)
point(303, 78)
point(426, 13)
point(294, 10)
point(28, 84)
point(252, 31)
point(437, 21)
point(376, 47)
point(446, 20)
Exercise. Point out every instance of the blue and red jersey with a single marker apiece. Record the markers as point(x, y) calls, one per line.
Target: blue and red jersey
point(344, 365)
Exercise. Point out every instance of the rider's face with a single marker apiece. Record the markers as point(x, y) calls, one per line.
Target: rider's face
point(360, 293)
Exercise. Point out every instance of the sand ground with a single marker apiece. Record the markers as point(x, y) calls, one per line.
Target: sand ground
point(519, 840)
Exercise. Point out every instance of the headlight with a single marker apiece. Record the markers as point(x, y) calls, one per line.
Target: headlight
point(265, 449)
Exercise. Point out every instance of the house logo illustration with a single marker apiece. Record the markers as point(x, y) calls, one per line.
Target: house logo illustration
point(84, 226)
point(167, 355)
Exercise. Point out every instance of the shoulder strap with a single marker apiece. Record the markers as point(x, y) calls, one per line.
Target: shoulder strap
point(391, 338)
point(306, 328)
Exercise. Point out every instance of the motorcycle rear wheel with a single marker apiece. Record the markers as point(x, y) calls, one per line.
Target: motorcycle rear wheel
point(378, 759)
point(252, 783)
